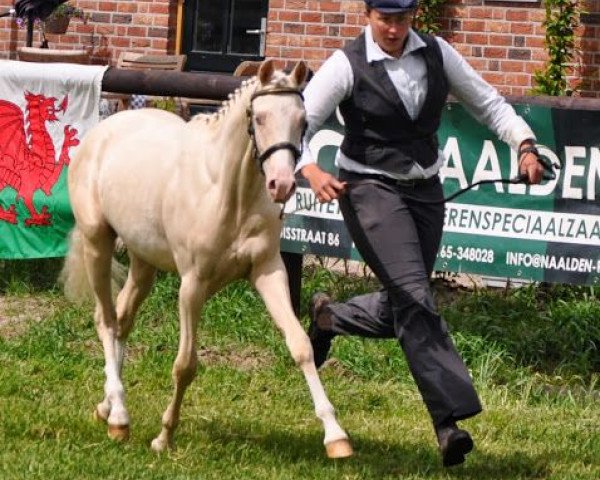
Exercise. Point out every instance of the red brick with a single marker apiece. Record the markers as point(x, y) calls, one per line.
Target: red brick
point(293, 28)
point(476, 12)
point(522, 28)
point(315, 54)
point(127, 7)
point(493, 78)
point(277, 39)
point(517, 15)
point(311, 17)
point(495, 52)
point(107, 7)
point(512, 66)
point(534, 42)
point(477, 63)
point(308, 42)
point(159, 8)
point(287, 16)
point(498, 27)
point(330, 18)
point(316, 30)
point(350, 31)
point(141, 43)
point(274, 27)
point(352, 7)
point(474, 26)
point(121, 42)
point(329, 6)
point(505, 40)
point(517, 79)
point(476, 38)
point(333, 43)
point(295, 5)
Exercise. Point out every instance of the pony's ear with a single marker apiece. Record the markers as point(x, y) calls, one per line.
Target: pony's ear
point(299, 73)
point(265, 72)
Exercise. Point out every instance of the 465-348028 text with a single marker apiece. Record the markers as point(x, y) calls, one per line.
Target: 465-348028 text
point(467, 254)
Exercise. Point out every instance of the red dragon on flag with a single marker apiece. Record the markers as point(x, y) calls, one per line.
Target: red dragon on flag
point(28, 160)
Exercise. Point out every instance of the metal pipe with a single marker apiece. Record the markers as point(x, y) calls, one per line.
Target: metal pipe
point(169, 83)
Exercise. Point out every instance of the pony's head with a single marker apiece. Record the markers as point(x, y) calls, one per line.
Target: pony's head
point(278, 122)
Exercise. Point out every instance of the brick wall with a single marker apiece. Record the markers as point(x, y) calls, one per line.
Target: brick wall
point(113, 26)
point(504, 41)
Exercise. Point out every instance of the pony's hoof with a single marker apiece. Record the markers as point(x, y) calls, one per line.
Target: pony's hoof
point(99, 415)
point(119, 433)
point(158, 445)
point(339, 449)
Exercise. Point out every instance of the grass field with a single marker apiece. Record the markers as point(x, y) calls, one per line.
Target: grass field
point(533, 353)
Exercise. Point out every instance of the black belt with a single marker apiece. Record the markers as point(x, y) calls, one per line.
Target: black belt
point(406, 182)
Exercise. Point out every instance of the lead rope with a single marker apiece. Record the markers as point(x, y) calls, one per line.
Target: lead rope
point(549, 174)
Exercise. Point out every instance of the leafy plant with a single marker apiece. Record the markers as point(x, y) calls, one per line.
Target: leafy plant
point(165, 103)
point(562, 18)
point(427, 18)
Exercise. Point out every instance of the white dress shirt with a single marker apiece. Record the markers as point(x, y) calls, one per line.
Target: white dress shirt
point(334, 81)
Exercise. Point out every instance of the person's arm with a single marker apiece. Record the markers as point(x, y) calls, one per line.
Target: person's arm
point(329, 86)
point(491, 109)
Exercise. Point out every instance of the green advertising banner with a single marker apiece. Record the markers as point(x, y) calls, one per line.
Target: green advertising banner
point(548, 232)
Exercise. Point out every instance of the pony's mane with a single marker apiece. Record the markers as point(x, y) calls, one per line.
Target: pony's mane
point(249, 86)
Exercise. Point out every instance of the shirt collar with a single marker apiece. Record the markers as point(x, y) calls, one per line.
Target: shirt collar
point(375, 53)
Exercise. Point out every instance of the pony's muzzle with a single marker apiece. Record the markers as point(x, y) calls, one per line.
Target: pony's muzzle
point(281, 189)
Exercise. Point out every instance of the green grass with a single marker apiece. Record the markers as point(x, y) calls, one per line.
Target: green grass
point(532, 352)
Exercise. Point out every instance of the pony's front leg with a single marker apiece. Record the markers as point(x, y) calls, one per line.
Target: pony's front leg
point(271, 282)
point(191, 298)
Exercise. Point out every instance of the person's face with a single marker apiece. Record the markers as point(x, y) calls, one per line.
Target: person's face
point(390, 29)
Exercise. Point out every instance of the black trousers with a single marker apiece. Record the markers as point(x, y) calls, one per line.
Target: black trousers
point(398, 236)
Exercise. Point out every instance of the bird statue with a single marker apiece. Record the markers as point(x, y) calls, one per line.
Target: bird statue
point(36, 8)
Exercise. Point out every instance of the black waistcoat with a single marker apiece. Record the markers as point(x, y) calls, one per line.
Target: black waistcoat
point(379, 130)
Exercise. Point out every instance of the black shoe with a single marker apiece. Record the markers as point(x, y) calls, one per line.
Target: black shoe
point(454, 443)
point(320, 339)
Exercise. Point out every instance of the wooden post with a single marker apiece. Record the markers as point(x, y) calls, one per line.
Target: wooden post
point(293, 265)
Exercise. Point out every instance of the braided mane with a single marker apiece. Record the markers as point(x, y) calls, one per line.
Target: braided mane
point(242, 94)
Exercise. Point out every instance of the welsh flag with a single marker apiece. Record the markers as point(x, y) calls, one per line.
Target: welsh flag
point(45, 110)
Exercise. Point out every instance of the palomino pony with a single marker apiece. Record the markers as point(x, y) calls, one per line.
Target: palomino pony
point(201, 199)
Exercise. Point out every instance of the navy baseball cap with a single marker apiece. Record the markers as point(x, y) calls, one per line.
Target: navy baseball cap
point(392, 6)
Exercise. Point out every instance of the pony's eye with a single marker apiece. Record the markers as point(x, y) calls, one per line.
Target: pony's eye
point(259, 119)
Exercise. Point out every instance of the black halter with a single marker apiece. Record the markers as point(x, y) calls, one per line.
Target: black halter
point(262, 157)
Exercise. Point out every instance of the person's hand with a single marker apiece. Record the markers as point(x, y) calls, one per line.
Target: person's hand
point(529, 164)
point(325, 185)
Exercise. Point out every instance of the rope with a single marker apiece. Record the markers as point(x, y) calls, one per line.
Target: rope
point(549, 174)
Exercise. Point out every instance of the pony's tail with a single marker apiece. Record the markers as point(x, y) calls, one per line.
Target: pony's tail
point(73, 277)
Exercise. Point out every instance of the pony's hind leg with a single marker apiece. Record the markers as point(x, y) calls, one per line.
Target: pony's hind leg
point(98, 249)
point(139, 283)
point(192, 296)
point(137, 287)
point(271, 282)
